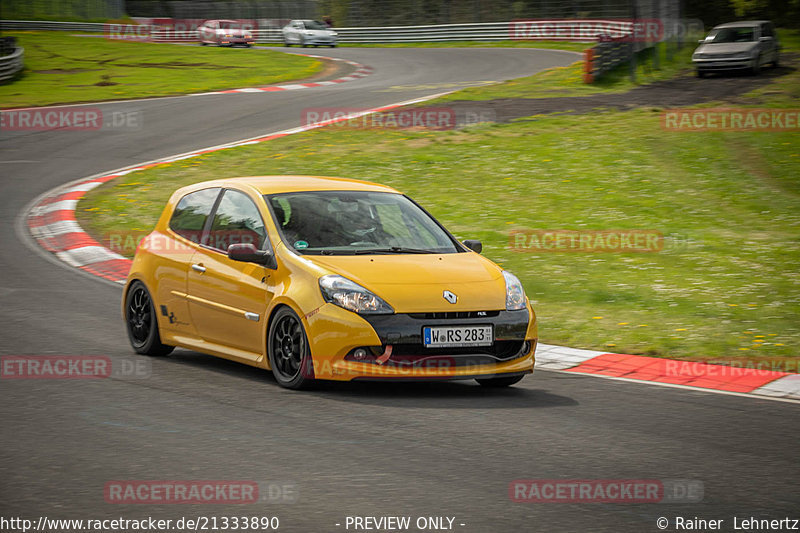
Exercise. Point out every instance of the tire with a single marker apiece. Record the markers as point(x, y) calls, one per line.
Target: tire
point(289, 354)
point(776, 62)
point(332, 45)
point(203, 43)
point(497, 383)
point(287, 43)
point(756, 68)
point(700, 74)
point(303, 43)
point(141, 322)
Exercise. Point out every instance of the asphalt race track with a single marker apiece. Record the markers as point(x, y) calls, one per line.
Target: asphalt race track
point(347, 449)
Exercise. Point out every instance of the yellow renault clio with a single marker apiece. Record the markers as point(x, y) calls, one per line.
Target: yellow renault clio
point(325, 278)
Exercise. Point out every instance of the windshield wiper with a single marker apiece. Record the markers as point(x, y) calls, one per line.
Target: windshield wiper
point(392, 250)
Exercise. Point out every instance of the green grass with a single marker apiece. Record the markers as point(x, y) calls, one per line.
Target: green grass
point(568, 81)
point(725, 288)
point(735, 279)
point(61, 68)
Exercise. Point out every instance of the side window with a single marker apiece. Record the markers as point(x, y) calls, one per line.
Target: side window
point(237, 220)
point(191, 213)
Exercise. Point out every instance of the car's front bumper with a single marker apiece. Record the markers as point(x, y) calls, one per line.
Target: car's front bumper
point(236, 39)
point(709, 65)
point(326, 41)
point(395, 349)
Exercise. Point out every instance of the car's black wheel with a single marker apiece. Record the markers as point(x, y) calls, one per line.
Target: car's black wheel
point(776, 62)
point(332, 46)
point(700, 74)
point(499, 382)
point(203, 43)
point(140, 317)
point(287, 43)
point(303, 43)
point(756, 68)
point(289, 354)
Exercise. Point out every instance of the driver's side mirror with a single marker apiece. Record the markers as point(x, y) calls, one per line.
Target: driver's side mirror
point(474, 245)
point(248, 253)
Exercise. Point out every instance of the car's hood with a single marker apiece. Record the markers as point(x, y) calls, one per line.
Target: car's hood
point(415, 283)
point(726, 48)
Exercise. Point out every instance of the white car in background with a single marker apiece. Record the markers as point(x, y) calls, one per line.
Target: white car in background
point(308, 32)
point(737, 45)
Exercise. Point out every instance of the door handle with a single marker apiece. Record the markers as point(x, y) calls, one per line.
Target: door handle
point(198, 268)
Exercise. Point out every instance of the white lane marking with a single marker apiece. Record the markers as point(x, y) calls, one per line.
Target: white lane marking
point(83, 187)
point(87, 255)
point(292, 87)
point(553, 357)
point(785, 387)
point(63, 205)
point(56, 228)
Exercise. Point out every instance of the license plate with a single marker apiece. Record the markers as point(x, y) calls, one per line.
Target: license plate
point(457, 336)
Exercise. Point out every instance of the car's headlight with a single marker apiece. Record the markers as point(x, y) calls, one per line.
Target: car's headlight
point(352, 296)
point(515, 294)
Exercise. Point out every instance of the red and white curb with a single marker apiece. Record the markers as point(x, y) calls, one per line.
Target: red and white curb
point(52, 223)
point(360, 72)
point(745, 380)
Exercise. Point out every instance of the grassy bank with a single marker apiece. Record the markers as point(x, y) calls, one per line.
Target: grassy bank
point(724, 287)
point(62, 68)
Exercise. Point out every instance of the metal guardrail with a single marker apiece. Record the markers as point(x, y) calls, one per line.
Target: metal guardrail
point(44, 25)
point(11, 64)
point(604, 56)
point(489, 31)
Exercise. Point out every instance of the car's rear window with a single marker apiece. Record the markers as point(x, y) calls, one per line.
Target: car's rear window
point(191, 213)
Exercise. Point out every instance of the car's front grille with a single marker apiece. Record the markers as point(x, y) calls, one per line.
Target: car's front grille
point(500, 350)
point(447, 315)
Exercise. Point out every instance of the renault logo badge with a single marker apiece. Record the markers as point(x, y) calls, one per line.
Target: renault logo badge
point(450, 297)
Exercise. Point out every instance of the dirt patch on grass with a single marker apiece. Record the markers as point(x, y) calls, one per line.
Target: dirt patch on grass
point(173, 64)
point(65, 70)
point(683, 90)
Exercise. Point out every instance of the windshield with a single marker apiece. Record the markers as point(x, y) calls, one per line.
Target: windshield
point(231, 25)
point(732, 35)
point(316, 25)
point(356, 222)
